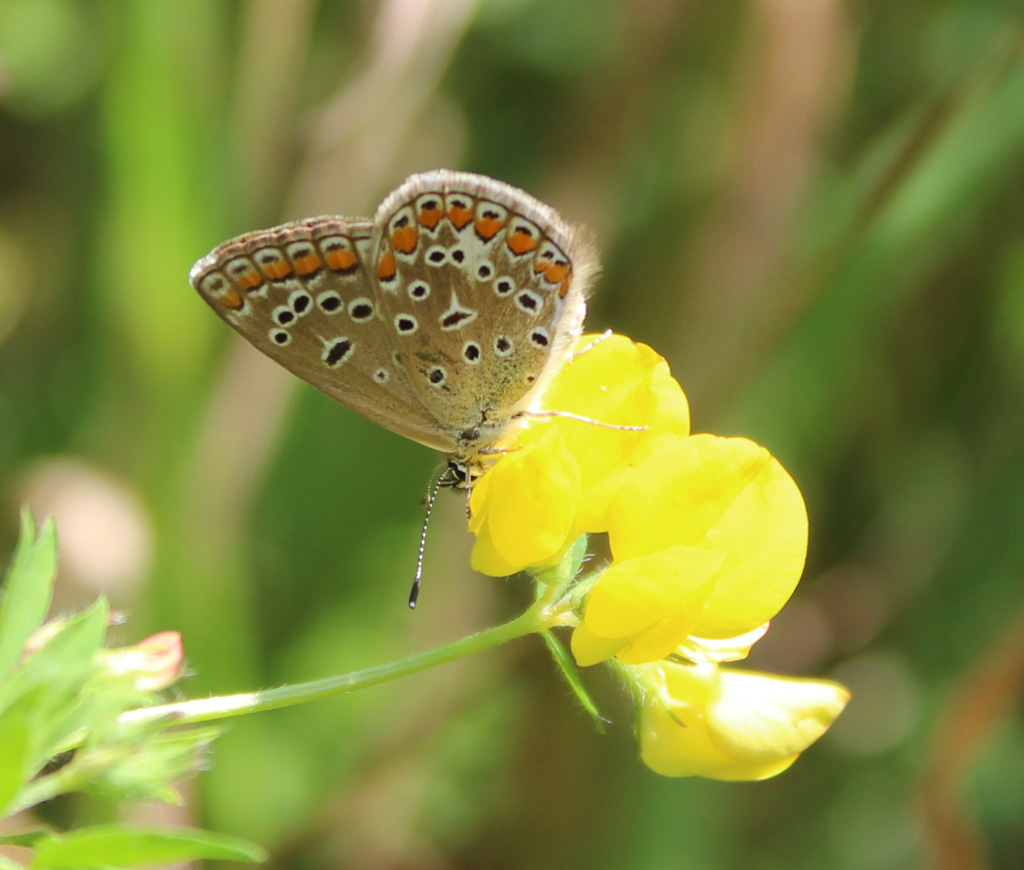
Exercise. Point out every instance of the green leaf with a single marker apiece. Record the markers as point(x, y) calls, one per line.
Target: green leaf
point(14, 748)
point(113, 846)
point(27, 590)
point(29, 839)
point(66, 658)
point(572, 677)
point(45, 692)
point(147, 772)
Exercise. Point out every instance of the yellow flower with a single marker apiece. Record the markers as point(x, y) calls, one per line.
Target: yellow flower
point(615, 382)
point(559, 476)
point(523, 507)
point(700, 720)
point(709, 537)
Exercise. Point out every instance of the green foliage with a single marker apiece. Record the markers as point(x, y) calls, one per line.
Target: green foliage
point(27, 590)
point(103, 846)
point(812, 210)
point(61, 731)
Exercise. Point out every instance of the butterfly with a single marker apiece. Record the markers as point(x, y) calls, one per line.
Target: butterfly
point(442, 319)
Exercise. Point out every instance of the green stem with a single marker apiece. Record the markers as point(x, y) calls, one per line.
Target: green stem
point(536, 619)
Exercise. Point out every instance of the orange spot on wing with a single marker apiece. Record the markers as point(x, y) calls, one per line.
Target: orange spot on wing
point(487, 228)
point(521, 242)
point(340, 259)
point(459, 216)
point(404, 239)
point(307, 264)
point(250, 279)
point(230, 298)
point(386, 267)
point(555, 273)
point(564, 289)
point(430, 217)
point(277, 269)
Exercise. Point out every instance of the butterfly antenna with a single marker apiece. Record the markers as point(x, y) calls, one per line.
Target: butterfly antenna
point(432, 490)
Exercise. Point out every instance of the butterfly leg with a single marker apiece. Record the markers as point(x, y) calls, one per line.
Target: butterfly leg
point(570, 416)
point(602, 337)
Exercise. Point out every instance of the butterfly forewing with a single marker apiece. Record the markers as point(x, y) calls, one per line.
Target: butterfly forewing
point(303, 294)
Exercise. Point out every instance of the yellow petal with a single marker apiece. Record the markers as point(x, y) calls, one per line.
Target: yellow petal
point(761, 718)
point(487, 560)
point(632, 595)
point(590, 649)
point(674, 737)
point(725, 494)
point(652, 602)
point(719, 650)
point(671, 749)
point(523, 508)
point(614, 381)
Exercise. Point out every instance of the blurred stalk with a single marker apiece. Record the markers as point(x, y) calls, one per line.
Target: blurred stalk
point(246, 412)
point(355, 145)
point(223, 463)
point(981, 701)
point(793, 79)
point(870, 272)
point(263, 134)
point(157, 212)
point(351, 152)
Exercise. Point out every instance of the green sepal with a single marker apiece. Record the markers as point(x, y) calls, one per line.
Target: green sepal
point(572, 677)
point(565, 571)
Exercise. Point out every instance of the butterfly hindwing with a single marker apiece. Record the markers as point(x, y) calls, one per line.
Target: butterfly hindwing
point(485, 289)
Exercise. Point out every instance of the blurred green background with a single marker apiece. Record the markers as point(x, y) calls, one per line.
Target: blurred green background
point(814, 210)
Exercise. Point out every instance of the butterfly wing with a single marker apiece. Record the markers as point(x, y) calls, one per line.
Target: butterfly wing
point(485, 290)
point(303, 293)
